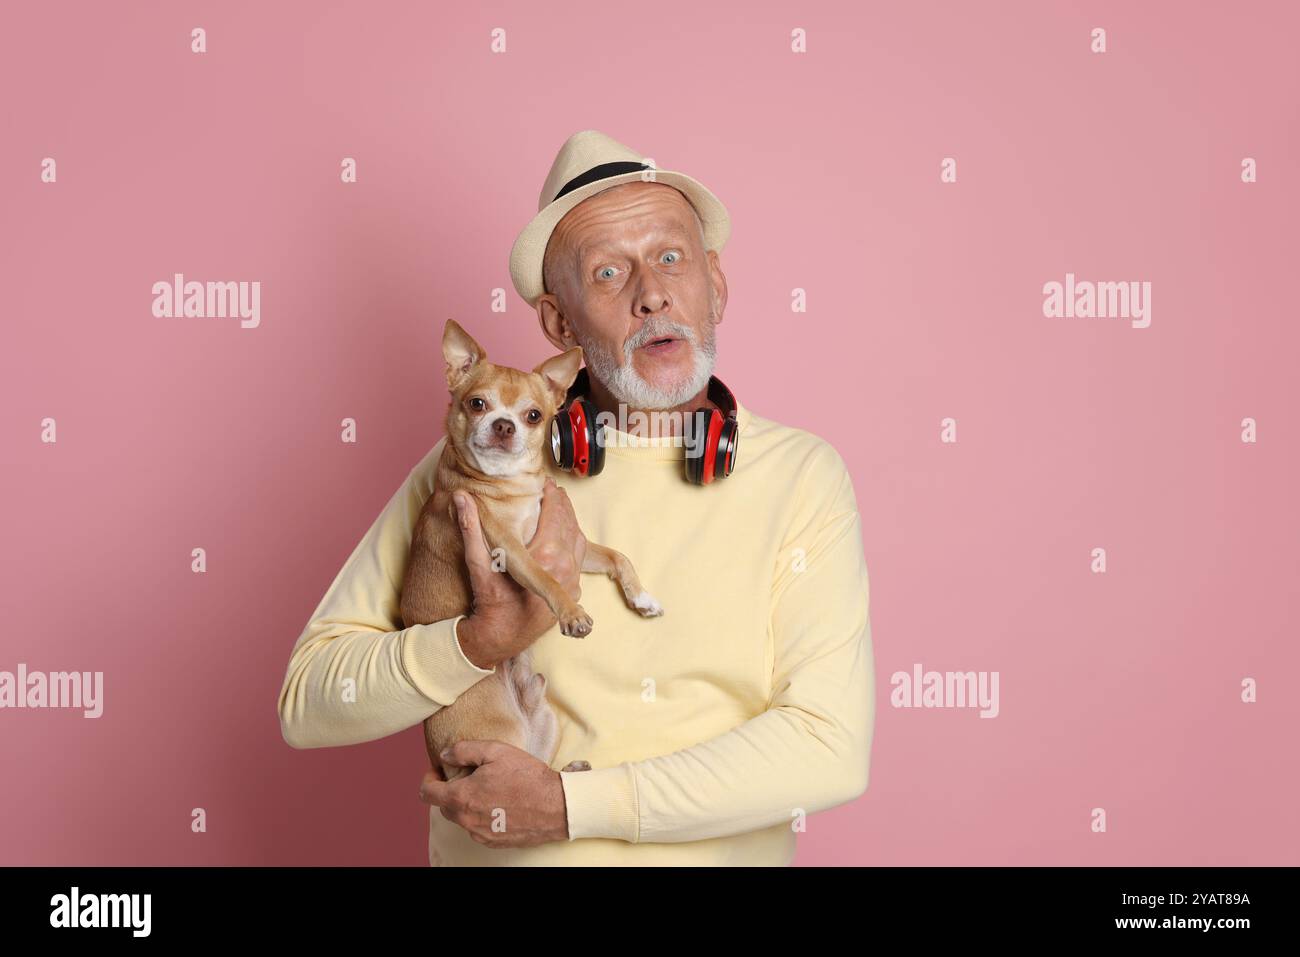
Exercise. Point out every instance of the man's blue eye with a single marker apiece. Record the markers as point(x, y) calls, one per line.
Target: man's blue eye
point(606, 269)
point(671, 254)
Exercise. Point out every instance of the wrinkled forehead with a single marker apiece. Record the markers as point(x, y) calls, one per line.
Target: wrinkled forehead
point(626, 214)
point(632, 238)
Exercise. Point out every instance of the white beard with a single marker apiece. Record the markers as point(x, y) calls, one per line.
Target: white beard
point(627, 385)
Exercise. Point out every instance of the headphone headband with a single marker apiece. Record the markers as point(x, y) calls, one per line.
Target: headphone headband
point(711, 441)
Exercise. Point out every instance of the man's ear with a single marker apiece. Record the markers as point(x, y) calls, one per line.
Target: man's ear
point(554, 326)
point(461, 352)
point(718, 283)
point(560, 371)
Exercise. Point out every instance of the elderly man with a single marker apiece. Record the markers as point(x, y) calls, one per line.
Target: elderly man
point(711, 731)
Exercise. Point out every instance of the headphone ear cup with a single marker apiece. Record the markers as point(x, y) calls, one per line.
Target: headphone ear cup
point(595, 439)
point(728, 443)
point(562, 440)
point(697, 445)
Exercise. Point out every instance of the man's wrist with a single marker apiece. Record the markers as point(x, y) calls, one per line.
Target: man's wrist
point(468, 639)
point(432, 658)
point(563, 826)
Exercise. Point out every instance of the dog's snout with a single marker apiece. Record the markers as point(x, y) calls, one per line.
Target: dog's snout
point(503, 428)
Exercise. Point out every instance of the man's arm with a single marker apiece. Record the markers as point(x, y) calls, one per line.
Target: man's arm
point(811, 749)
point(354, 675)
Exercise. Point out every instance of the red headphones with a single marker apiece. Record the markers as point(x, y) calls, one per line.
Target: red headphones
point(578, 444)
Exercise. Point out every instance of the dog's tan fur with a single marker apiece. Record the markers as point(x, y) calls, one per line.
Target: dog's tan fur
point(506, 484)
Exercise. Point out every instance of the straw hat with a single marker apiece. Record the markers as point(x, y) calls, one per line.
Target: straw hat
point(588, 162)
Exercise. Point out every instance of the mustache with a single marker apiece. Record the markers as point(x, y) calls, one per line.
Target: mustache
point(657, 330)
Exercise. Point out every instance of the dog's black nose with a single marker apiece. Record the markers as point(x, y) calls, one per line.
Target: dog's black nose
point(503, 427)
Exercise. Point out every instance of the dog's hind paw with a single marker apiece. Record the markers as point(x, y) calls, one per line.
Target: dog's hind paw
point(647, 605)
point(577, 766)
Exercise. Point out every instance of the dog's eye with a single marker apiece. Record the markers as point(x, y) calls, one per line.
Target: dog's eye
point(477, 404)
point(534, 416)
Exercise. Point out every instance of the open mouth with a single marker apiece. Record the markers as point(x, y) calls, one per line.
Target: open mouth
point(662, 345)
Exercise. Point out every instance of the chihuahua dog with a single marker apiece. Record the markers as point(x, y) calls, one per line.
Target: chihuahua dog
point(498, 425)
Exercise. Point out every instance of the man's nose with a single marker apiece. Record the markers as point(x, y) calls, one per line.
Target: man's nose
point(503, 428)
point(652, 297)
point(653, 304)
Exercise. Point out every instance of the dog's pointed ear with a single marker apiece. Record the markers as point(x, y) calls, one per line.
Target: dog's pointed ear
point(560, 371)
point(461, 352)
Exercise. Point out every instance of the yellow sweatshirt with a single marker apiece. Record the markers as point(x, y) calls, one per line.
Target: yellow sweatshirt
point(713, 730)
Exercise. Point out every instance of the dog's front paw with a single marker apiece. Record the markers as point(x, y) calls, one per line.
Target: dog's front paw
point(575, 624)
point(577, 766)
point(647, 605)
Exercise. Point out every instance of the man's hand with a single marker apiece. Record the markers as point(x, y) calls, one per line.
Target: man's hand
point(510, 799)
point(507, 617)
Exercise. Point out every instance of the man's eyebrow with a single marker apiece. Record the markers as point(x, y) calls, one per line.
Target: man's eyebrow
point(587, 249)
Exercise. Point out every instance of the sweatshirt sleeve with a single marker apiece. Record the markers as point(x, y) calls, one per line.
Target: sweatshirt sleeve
point(354, 675)
point(810, 750)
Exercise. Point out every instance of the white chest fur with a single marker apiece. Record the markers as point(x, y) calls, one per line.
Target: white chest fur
point(524, 517)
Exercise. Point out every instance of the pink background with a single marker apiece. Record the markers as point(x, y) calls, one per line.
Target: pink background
point(925, 301)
